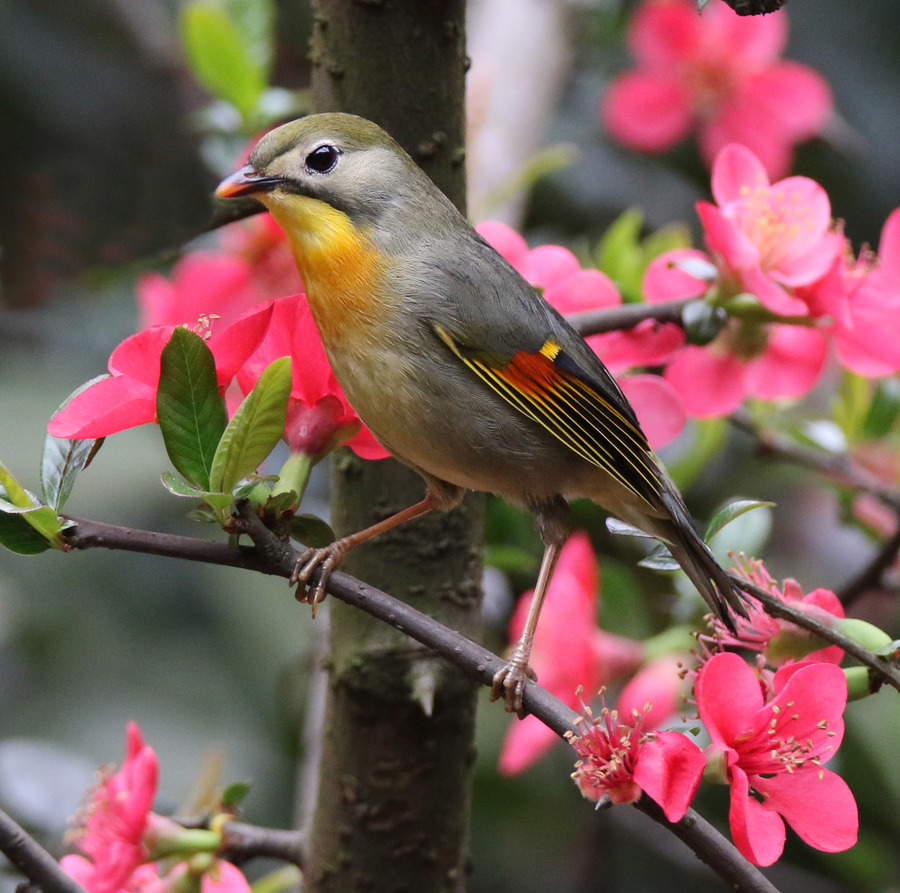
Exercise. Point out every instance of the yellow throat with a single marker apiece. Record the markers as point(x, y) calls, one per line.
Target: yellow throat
point(340, 268)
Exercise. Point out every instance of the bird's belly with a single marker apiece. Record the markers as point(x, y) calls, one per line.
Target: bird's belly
point(446, 425)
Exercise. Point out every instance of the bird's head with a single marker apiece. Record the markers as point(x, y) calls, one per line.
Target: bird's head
point(343, 161)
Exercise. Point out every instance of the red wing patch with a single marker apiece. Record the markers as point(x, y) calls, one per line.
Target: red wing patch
point(569, 408)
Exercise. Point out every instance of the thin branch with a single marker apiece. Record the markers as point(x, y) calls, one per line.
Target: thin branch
point(880, 669)
point(839, 468)
point(711, 848)
point(476, 661)
point(33, 860)
point(241, 842)
point(626, 316)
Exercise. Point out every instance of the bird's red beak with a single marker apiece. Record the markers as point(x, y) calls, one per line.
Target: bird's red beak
point(246, 181)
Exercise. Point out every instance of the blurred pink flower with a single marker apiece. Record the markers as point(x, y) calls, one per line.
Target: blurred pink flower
point(203, 285)
point(657, 691)
point(127, 398)
point(569, 628)
point(771, 750)
point(112, 832)
point(557, 274)
point(319, 418)
point(719, 75)
point(767, 238)
point(618, 761)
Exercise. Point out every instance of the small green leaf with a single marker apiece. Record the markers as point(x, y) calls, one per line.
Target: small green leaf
point(659, 559)
point(219, 57)
point(511, 559)
point(235, 793)
point(730, 511)
point(620, 255)
point(620, 528)
point(311, 531)
point(18, 501)
point(191, 412)
point(19, 536)
point(61, 463)
point(255, 429)
point(177, 487)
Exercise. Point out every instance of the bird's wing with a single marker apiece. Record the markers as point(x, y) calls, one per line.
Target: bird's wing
point(550, 387)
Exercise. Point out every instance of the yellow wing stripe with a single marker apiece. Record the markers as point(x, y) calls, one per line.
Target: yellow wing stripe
point(572, 411)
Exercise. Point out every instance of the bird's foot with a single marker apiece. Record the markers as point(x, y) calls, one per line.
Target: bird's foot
point(326, 560)
point(510, 680)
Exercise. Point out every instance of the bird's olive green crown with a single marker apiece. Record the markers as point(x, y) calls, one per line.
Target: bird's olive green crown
point(344, 160)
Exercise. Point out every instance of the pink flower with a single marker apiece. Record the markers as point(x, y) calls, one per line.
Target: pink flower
point(862, 297)
point(557, 273)
point(127, 398)
point(768, 238)
point(718, 74)
point(319, 418)
point(618, 762)
point(568, 627)
point(768, 361)
point(262, 244)
point(780, 641)
point(772, 750)
point(204, 285)
point(112, 832)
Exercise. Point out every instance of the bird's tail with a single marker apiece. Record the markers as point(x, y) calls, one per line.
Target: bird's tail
point(697, 561)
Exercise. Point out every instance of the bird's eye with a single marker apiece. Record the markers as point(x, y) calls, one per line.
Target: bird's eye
point(322, 159)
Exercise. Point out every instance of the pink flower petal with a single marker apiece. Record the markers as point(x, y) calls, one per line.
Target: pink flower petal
point(817, 804)
point(666, 280)
point(525, 742)
point(107, 406)
point(736, 170)
point(710, 384)
point(789, 99)
point(757, 832)
point(583, 290)
point(726, 240)
point(790, 365)
point(659, 408)
point(728, 694)
point(646, 112)
point(548, 265)
point(504, 240)
point(889, 247)
point(668, 770)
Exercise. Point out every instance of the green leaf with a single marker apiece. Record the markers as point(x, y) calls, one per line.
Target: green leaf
point(177, 487)
point(884, 410)
point(219, 57)
point(255, 21)
point(311, 531)
point(511, 559)
point(191, 412)
point(730, 511)
point(659, 559)
point(620, 255)
point(61, 463)
point(255, 429)
point(19, 536)
point(235, 793)
point(18, 501)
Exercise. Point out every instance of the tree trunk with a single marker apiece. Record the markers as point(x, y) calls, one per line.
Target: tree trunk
point(394, 783)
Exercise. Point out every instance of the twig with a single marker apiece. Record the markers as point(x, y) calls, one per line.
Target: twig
point(711, 848)
point(33, 860)
point(477, 662)
point(626, 316)
point(241, 842)
point(880, 669)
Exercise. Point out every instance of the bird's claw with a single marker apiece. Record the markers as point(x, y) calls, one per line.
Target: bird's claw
point(326, 560)
point(510, 680)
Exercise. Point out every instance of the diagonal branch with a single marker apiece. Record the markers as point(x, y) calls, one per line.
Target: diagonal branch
point(272, 555)
point(33, 860)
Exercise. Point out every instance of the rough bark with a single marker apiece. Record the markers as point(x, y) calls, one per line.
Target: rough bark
point(394, 782)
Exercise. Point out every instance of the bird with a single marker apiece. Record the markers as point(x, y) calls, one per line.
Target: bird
point(459, 367)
